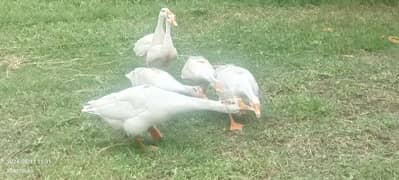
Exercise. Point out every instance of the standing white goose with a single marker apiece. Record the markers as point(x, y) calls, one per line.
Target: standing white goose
point(137, 108)
point(143, 44)
point(161, 55)
point(238, 82)
point(198, 70)
point(163, 80)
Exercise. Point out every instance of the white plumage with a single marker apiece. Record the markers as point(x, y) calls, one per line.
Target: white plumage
point(238, 82)
point(198, 70)
point(143, 44)
point(163, 80)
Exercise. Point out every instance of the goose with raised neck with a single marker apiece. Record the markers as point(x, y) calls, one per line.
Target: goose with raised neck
point(161, 55)
point(143, 44)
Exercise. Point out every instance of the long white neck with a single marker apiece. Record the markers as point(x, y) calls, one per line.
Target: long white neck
point(182, 89)
point(202, 104)
point(168, 37)
point(159, 32)
point(188, 90)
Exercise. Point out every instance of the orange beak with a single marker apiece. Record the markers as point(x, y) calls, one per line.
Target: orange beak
point(174, 22)
point(256, 109)
point(172, 17)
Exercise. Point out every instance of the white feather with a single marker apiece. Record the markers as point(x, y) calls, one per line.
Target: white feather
point(142, 45)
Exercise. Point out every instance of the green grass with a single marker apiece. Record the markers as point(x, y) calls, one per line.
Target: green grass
point(330, 97)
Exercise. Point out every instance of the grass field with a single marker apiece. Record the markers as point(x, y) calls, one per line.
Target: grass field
point(328, 75)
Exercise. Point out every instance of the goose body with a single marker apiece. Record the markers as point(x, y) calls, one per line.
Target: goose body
point(143, 44)
point(163, 80)
point(138, 108)
point(198, 70)
point(238, 82)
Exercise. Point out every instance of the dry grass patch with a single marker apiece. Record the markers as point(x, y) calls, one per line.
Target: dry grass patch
point(12, 63)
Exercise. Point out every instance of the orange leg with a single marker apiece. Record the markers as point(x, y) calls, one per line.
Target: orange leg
point(234, 125)
point(155, 133)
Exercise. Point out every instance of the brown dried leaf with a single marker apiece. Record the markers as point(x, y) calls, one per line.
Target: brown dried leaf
point(328, 29)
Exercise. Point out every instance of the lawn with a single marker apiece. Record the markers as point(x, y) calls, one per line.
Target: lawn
point(328, 74)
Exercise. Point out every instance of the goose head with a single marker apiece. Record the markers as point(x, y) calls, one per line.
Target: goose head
point(254, 102)
point(235, 105)
point(168, 14)
point(171, 18)
point(164, 12)
point(256, 109)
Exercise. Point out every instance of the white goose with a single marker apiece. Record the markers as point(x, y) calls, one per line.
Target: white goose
point(160, 55)
point(163, 80)
point(138, 108)
point(143, 44)
point(198, 70)
point(238, 82)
